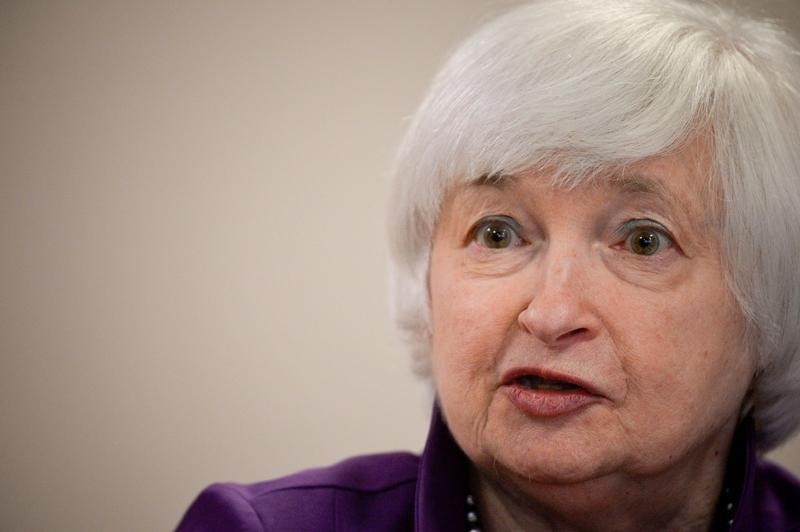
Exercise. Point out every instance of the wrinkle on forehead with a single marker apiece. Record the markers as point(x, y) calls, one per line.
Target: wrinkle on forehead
point(569, 169)
point(646, 177)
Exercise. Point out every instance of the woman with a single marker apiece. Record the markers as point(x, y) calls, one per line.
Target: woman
point(595, 234)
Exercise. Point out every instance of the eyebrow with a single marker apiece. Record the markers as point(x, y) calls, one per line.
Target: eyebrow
point(498, 180)
point(642, 185)
point(637, 183)
point(633, 184)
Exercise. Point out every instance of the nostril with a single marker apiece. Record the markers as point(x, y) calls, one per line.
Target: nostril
point(561, 324)
point(574, 334)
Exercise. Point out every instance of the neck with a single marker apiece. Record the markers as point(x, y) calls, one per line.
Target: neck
point(682, 497)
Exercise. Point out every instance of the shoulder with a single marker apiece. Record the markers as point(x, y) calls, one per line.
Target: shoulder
point(365, 492)
point(777, 496)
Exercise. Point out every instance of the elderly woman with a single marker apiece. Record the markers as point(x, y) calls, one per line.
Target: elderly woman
point(596, 229)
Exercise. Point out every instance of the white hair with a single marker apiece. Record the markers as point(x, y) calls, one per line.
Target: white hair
point(585, 86)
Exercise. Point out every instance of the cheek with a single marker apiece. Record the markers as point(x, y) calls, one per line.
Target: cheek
point(685, 360)
point(460, 322)
point(471, 320)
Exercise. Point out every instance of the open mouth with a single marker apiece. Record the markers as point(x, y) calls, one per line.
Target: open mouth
point(545, 393)
point(534, 382)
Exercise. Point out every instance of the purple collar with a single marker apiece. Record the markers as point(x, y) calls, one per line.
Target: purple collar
point(442, 481)
point(740, 476)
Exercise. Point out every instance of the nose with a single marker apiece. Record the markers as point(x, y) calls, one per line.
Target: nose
point(560, 311)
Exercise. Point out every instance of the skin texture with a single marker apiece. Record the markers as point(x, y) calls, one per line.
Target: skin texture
point(657, 336)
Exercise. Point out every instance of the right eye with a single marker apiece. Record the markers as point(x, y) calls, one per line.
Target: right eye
point(497, 233)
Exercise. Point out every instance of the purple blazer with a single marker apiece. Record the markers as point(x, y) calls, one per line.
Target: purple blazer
point(403, 491)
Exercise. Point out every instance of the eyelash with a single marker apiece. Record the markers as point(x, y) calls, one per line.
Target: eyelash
point(626, 232)
point(645, 225)
point(502, 223)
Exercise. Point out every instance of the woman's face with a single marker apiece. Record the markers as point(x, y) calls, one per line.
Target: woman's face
point(583, 333)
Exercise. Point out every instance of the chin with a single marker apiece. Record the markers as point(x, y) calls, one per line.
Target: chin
point(550, 466)
point(552, 451)
point(549, 469)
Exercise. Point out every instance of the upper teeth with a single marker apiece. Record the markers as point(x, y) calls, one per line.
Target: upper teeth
point(534, 382)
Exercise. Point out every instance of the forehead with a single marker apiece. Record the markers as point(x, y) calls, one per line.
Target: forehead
point(682, 180)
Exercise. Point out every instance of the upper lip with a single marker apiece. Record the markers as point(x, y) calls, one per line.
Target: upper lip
point(510, 376)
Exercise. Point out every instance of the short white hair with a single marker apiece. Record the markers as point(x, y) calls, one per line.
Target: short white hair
point(585, 86)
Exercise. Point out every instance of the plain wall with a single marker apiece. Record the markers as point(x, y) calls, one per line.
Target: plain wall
point(192, 225)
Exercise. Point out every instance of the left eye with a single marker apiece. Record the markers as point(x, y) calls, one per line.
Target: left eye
point(648, 241)
point(496, 233)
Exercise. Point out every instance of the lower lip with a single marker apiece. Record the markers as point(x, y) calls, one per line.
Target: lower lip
point(548, 403)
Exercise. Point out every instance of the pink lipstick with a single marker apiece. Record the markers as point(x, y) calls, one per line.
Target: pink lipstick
point(543, 393)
